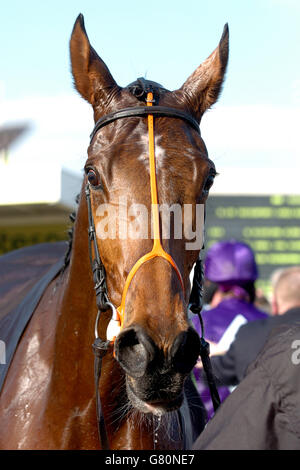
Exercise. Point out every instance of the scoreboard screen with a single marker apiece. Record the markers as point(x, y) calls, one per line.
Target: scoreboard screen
point(269, 224)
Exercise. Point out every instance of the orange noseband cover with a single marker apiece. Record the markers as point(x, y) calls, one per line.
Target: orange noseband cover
point(157, 249)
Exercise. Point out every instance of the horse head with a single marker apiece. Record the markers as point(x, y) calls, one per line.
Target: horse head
point(156, 346)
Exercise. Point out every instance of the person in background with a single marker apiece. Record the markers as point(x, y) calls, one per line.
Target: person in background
point(231, 265)
point(263, 411)
point(273, 281)
point(231, 367)
point(262, 302)
point(209, 290)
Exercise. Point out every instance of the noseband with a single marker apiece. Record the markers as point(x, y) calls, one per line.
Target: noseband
point(145, 92)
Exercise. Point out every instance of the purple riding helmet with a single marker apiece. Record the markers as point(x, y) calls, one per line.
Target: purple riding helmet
point(231, 264)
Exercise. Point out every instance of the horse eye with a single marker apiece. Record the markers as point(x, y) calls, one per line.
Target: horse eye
point(93, 177)
point(208, 183)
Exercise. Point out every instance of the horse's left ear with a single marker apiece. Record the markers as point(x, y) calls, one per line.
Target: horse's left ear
point(202, 88)
point(92, 78)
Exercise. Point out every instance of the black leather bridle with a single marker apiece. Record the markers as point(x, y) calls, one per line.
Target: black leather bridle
point(143, 111)
point(140, 89)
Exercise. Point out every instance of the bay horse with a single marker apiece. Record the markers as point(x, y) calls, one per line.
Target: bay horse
point(48, 398)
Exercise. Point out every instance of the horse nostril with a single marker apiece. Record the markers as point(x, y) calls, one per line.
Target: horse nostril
point(134, 350)
point(185, 350)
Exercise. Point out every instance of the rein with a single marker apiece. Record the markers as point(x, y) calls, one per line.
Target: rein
point(100, 346)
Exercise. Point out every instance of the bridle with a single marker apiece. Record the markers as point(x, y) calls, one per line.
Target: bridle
point(145, 91)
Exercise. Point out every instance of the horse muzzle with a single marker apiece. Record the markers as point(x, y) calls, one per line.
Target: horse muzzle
point(155, 377)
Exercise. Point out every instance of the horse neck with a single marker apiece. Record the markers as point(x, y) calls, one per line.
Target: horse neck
point(71, 393)
point(78, 304)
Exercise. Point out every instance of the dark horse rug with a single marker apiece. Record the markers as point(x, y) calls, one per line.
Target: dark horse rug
point(24, 276)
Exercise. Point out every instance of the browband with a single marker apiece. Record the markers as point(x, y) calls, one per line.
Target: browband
point(143, 111)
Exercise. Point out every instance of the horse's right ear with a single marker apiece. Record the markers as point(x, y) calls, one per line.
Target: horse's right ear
point(91, 76)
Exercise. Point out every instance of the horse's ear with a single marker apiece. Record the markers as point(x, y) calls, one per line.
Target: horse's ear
point(91, 76)
point(202, 88)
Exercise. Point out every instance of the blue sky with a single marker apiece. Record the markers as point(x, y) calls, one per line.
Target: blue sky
point(254, 124)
